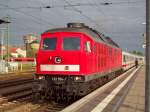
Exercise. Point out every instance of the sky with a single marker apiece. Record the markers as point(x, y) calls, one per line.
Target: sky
point(122, 20)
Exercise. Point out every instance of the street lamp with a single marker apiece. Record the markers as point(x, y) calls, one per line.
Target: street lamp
point(3, 21)
point(6, 21)
point(2, 30)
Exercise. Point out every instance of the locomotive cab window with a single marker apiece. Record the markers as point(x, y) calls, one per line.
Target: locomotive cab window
point(49, 43)
point(87, 46)
point(71, 43)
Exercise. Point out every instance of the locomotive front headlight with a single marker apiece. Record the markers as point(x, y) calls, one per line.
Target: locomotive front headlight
point(78, 78)
point(41, 77)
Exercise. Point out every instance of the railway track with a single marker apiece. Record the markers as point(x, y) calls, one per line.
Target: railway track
point(16, 96)
point(16, 89)
point(55, 108)
point(14, 92)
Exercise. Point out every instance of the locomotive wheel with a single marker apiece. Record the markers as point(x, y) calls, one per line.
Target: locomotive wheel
point(48, 94)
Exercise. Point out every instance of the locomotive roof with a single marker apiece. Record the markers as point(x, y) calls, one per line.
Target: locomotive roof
point(88, 31)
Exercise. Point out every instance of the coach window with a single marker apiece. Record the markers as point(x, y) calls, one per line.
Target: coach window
point(71, 43)
point(49, 43)
point(87, 46)
point(124, 58)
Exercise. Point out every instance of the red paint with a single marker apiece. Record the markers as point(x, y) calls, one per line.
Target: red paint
point(101, 58)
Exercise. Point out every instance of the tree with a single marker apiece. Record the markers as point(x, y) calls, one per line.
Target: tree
point(137, 53)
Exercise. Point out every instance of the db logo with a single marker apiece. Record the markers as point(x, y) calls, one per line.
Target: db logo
point(57, 59)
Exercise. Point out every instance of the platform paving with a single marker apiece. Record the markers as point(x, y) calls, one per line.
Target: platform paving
point(129, 99)
point(135, 99)
point(132, 97)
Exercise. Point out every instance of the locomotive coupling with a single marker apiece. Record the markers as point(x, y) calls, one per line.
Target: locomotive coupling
point(39, 77)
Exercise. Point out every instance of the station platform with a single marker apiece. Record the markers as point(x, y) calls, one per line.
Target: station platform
point(126, 93)
point(132, 98)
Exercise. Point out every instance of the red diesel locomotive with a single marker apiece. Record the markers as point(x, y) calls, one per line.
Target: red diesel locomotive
point(73, 61)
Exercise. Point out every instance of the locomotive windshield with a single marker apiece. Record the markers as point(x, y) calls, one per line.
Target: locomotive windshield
point(49, 43)
point(71, 43)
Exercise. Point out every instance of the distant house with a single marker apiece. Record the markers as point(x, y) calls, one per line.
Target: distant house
point(13, 51)
point(16, 52)
point(2, 50)
point(21, 52)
